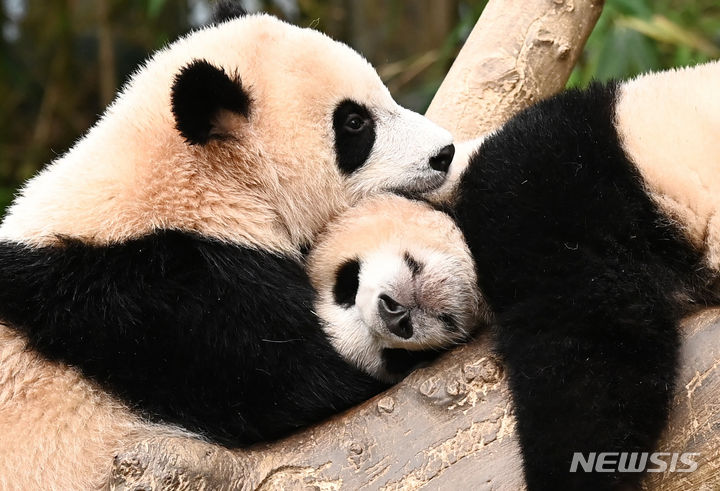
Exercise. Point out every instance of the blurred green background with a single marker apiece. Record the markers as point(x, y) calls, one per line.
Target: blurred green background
point(61, 61)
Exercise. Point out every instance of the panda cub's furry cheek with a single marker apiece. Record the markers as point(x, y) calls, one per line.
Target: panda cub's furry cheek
point(390, 315)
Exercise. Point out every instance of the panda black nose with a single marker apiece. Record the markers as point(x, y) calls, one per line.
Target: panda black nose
point(395, 316)
point(442, 160)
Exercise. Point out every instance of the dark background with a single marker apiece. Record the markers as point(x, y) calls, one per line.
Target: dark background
point(61, 61)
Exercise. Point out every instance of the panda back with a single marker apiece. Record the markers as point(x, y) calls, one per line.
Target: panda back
point(669, 125)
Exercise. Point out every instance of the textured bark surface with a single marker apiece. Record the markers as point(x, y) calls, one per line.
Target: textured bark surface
point(519, 52)
point(695, 421)
point(450, 425)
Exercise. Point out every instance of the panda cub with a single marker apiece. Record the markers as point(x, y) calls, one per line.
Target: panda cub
point(593, 221)
point(61, 431)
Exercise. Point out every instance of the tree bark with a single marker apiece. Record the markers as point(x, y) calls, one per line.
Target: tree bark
point(451, 424)
point(519, 52)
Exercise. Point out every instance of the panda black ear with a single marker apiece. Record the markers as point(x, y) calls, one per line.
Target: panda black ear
point(227, 10)
point(200, 92)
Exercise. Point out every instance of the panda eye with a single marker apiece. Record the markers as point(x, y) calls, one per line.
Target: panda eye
point(449, 321)
point(355, 123)
point(354, 129)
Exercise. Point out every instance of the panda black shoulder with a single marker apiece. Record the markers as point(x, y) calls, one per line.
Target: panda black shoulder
point(216, 329)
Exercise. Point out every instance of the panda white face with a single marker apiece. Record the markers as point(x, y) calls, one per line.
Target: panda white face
point(389, 148)
point(422, 300)
point(252, 131)
point(393, 274)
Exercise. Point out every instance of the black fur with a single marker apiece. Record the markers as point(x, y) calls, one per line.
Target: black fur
point(413, 264)
point(347, 282)
point(450, 322)
point(215, 337)
point(352, 144)
point(400, 362)
point(200, 91)
point(225, 10)
point(585, 276)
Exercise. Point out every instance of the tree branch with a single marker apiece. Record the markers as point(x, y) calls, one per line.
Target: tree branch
point(519, 52)
point(452, 422)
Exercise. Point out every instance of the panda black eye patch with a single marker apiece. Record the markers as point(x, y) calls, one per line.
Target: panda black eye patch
point(347, 282)
point(412, 263)
point(400, 361)
point(449, 321)
point(354, 129)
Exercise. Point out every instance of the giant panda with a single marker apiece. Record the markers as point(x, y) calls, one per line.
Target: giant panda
point(389, 297)
point(593, 220)
point(160, 257)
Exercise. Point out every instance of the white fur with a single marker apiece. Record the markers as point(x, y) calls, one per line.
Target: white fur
point(58, 431)
point(381, 272)
point(274, 185)
point(403, 144)
point(464, 151)
point(669, 123)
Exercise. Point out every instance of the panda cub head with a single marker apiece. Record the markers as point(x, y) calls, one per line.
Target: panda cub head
point(252, 131)
point(393, 276)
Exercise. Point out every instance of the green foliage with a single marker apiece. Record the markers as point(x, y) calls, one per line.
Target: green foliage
point(51, 74)
point(155, 7)
point(6, 196)
point(636, 36)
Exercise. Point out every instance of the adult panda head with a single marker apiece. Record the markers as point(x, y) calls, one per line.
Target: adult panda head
point(252, 131)
point(387, 288)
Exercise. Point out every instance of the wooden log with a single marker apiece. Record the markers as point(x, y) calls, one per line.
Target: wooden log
point(695, 420)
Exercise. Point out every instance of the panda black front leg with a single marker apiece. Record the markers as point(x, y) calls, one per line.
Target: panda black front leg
point(215, 337)
point(590, 372)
